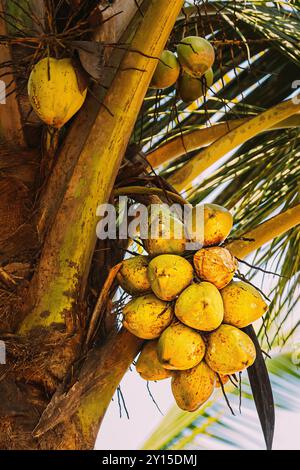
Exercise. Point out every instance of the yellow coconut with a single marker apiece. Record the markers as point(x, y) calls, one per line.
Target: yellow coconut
point(221, 379)
point(218, 223)
point(166, 72)
point(148, 365)
point(147, 316)
point(54, 92)
point(133, 275)
point(191, 388)
point(229, 350)
point(243, 304)
point(169, 275)
point(200, 306)
point(180, 347)
point(166, 233)
point(196, 55)
point(191, 88)
point(210, 224)
point(215, 265)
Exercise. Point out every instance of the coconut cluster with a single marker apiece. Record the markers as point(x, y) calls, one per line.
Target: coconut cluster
point(191, 312)
point(191, 68)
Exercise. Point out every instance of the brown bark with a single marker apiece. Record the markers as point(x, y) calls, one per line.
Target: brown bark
point(11, 127)
point(18, 170)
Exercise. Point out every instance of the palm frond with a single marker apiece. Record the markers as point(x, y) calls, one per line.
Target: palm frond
point(278, 24)
point(256, 49)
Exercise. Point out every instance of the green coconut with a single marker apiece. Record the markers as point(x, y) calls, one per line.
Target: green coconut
point(191, 88)
point(196, 55)
point(167, 71)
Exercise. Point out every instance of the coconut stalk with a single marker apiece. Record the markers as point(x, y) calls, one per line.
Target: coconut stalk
point(183, 178)
point(69, 246)
point(89, 398)
point(195, 139)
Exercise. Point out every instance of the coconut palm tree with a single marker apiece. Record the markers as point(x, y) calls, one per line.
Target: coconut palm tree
point(238, 146)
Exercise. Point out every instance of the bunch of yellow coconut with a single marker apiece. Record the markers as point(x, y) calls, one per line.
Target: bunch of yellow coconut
point(191, 311)
point(191, 68)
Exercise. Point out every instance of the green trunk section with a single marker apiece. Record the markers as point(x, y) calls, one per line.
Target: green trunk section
point(69, 246)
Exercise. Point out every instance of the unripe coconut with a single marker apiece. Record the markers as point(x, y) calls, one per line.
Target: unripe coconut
point(147, 316)
point(191, 88)
point(148, 365)
point(192, 388)
point(169, 275)
point(196, 55)
point(54, 92)
point(243, 304)
point(229, 350)
point(217, 221)
point(166, 72)
point(216, 265)
point(166, 232)
point(133, 275)
point(200, 306)
point(180, 347)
